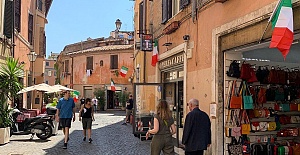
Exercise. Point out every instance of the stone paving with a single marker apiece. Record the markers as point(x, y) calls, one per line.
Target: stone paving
point(109, 138)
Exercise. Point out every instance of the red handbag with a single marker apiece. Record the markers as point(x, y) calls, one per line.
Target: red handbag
point(293, 132)
point(236, 100)
point(293, 107)
point(282, 133)
point(276, 107)
point(253, 76)
point(261, 97)
point(245, 71)
point(283, 119)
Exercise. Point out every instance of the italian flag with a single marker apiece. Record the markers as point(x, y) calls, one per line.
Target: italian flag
point(124, 71)
point(112, 85)
point(282, 24)
point(154, 54)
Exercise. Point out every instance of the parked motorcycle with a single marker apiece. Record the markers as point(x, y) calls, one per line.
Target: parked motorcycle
point(41, 126)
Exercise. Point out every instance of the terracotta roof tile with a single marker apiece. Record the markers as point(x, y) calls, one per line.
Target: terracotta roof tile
point(103, 48)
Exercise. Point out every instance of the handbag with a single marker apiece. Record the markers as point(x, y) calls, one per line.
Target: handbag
point(236, 132)
point(236, 100)
point(293, 132)
point(246, 127)
point(284, 119)
point(293, 106)
point(245, 71)
point(255, 126)
point(253, 76)
point(284, 107)
point(279, 94)
point(295, 119)
point(271, 126)
point(261, 97)
point(273, 78)
point(259, 149)
point(263, 126)
point(296, 149)
point(247, 97)
point(229, 124)
point(235, 147)
point(234, 69)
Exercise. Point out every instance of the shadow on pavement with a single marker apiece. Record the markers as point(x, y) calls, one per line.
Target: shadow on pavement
point(31, 140)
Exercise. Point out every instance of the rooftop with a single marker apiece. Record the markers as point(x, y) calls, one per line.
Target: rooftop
point(102, 48)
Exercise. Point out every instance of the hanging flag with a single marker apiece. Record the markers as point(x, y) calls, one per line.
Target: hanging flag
point(282, 24)
point(112, 85)
point(155, 54)
point(124, 71)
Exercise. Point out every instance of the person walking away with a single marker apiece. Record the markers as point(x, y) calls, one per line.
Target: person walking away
point(65, 112)
point(163, 130)
point(87, 114)
point(82, 101)
point(95, 103)
point(129, 106)
point(197, 130)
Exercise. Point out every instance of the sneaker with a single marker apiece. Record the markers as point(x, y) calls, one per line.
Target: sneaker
point(65, 145)
point(90, 140)
point(124, 124)
point(84, 138)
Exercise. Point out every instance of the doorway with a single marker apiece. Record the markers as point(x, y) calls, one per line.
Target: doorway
point(110, 99)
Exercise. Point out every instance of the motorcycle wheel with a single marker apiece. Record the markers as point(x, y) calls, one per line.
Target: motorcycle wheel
point(47, 133)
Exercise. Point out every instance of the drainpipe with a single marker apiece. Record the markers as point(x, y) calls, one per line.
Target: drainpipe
point(144, 32)
point(71, 82)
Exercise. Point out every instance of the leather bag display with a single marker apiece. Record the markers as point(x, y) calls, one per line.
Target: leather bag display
point(236, 100)
point(235, 147)
point(245, 71)
point(246, 127)
point(271, 126)
point(253, 76)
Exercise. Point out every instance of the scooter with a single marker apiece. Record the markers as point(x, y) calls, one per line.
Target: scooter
point(41, 126)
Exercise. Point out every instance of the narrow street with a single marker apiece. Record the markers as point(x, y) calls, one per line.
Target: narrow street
point(109, 138)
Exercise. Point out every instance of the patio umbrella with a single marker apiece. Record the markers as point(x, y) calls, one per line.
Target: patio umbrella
point(40, 87)
point(60, 87)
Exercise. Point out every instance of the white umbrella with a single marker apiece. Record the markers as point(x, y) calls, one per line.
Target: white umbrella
point(60, 87)
point(40, 87)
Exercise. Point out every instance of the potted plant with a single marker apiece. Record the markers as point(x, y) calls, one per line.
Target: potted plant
point(100, 95)
point(123, 98)
point(10, 72)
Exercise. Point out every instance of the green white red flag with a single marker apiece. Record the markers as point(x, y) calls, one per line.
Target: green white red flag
point(123, 71)
point(282, 24)
point(112, 85)
point(155, 54)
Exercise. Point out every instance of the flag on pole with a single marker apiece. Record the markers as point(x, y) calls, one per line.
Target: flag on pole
point(155, 54)
point(112, 85)
point(124, 71)
point(282, 24)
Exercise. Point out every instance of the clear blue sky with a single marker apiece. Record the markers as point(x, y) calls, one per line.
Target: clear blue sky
point(70, 21)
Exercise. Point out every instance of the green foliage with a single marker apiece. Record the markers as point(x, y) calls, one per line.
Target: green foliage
point(100, 95)
point(10, 73)
point(123, 97)
point(57, 79)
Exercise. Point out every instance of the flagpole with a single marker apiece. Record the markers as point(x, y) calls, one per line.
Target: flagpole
point(272, 15)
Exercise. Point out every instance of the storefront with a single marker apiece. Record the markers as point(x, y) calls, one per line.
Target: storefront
point(268, 92)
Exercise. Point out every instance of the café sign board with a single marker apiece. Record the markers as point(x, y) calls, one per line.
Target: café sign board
point(171, 61)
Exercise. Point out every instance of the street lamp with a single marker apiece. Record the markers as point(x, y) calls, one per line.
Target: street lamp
point(31, 57)
point(118, 26)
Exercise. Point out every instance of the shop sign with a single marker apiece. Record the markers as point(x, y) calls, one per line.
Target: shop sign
point(147, 42)
point(178, 59)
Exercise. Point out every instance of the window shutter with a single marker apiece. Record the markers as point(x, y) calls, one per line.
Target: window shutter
point(8, 18)
point(184, 3)
point(141, 14)
point(18, 15)
point(67, 66)
point(30, 29)
point(116, 62)
point(89, 63)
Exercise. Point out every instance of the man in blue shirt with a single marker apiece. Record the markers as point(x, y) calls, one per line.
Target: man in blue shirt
point(64, 114)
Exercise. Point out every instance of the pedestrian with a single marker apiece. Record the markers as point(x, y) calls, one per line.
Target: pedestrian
point(95, 103)
point(197, 130)
point(87, 114)
point(129, 106)
point(82, 101)
point(64, 114)
point(163, 130)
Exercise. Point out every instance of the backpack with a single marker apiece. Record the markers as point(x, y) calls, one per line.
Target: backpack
point(234, 69)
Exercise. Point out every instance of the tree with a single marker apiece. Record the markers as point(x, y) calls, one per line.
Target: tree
point(100, 95)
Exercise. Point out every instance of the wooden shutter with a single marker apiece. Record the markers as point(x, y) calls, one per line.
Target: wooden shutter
point(66, 66)
point(164, 11)
point(8, 18)
point(18, 15)
point(184, 3)
point(89, 63)
point(141, 15)
point(114, 62)
point(30, 29)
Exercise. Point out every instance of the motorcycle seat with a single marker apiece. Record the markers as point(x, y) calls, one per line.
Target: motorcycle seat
point(29, 120)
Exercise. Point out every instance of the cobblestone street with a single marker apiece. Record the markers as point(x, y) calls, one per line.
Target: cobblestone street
point(109, 138)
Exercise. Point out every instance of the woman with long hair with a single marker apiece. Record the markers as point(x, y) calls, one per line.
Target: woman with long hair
point(87, 114)
point(163, 130)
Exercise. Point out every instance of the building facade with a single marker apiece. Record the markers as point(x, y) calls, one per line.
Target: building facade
point(5, 37)
point(197, 40)
point(91, 64)
point(50, 69)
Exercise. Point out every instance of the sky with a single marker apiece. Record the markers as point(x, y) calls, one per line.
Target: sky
point(72, 21)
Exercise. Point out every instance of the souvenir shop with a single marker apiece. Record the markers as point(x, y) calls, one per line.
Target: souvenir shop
point(262, 100)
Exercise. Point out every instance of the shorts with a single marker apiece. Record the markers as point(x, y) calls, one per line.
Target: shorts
point(128, 112)
point(86, 123)
point(65, 122)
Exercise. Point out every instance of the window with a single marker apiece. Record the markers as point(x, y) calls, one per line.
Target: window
point(18, 15)
point(141, 14)
point(175, 7)
point(89, 63)
point(47, 63)
point(1, 16)
point(8, 14)
point(30, 29)
point(114, 62)
point(39, 5)
point(54, 72)
point(47, 82)
point(172, 7)
point(66, 66)
point(49, 73)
